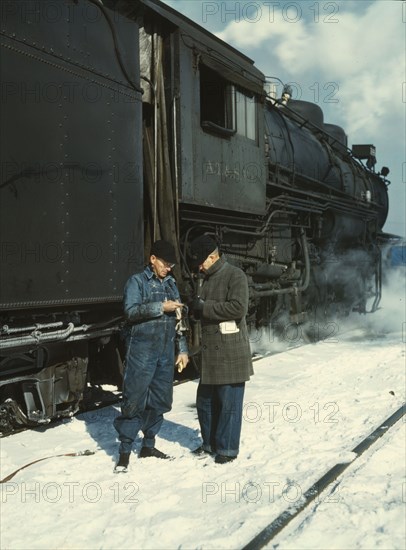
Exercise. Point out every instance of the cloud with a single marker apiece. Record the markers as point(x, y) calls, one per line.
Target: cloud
point(363, 52)
point(354, 49)
point(265, 27)
point(361, 57)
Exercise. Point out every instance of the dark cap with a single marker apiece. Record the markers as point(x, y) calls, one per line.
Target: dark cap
point(164, 250)
point(200, 248)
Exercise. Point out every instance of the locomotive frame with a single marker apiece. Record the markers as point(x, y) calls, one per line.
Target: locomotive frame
point(178, 138)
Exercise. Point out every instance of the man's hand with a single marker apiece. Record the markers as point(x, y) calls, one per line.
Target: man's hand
point(196, 306)
point(169, 306)
point(181, 361)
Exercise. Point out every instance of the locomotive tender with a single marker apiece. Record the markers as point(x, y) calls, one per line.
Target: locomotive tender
point(123, 122)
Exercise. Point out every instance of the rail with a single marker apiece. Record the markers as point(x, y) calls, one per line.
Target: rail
point(276, 526)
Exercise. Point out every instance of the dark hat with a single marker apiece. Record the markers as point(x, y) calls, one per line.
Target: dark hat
point(200, 248)
point(164, 250)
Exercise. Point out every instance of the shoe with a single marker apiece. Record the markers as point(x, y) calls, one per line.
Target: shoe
point(222, 459)
point(152, 451)
point(201, 451)
point(122, 464)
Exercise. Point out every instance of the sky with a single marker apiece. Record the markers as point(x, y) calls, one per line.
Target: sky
point(305, 410)
point(347, 56)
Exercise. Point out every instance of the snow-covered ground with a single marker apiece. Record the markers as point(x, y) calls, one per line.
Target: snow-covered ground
point(305, 409)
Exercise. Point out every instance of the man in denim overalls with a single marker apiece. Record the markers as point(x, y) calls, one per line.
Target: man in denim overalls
point(150, 301)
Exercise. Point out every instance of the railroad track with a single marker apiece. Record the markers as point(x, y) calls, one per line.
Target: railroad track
point(278, 524)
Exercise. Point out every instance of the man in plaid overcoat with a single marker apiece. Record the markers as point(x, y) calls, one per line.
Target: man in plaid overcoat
point(226, 355)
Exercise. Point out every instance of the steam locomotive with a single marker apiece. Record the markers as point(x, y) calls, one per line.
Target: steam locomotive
point(124, 122)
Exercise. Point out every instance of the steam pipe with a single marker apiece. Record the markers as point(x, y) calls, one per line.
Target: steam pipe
point(36, 337)
point(7, 330)
point(292, 289)
point(378, 284)
point(263, 230)
point(95, 330)
point(155, 199)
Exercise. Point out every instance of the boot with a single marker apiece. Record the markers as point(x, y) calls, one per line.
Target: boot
point(222, 459)
point(122, 464)
point(146, 452)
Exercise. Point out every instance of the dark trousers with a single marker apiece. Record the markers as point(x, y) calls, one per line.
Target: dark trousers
point(219, 409)
point(147, 393)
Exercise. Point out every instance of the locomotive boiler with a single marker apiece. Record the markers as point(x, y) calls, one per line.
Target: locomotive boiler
point(124, 122)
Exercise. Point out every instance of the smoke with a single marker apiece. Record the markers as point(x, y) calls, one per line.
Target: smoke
point(391, 315)
point(268, 339)
point(389, 318)
point(278, 337)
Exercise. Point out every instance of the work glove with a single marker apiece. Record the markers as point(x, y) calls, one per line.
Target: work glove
point(181, 320)
point(196, 306)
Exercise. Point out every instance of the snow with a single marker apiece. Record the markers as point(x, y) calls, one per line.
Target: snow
point(305, 410)
point(369, 501)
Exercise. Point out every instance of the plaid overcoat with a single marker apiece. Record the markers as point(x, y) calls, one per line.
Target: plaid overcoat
point(226, 358)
